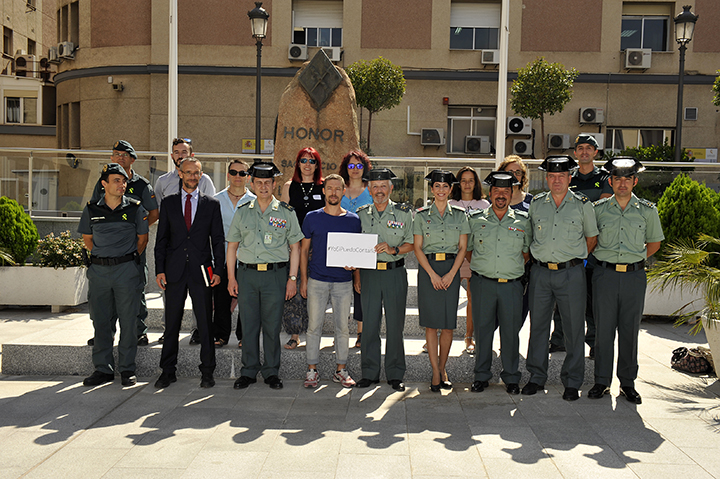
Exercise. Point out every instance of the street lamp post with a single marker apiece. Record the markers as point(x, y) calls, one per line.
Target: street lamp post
point(684, 29)
point(258, 24)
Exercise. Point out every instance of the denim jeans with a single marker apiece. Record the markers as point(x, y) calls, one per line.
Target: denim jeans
point(318, 294)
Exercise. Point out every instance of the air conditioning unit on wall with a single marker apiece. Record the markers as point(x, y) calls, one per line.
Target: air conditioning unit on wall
point(477, 144)
point(333, 53)
point(522, 147)
point(558, 141)
point(297, 52)
point(66, 50)
point(490, 57)
point(638, 58)
point(517, 125)
point(25, 65)
point(432, 137)
point(53, 55)
point(592, 115)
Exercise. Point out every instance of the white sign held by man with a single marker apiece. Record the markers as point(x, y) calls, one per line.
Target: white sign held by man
point(356, 250)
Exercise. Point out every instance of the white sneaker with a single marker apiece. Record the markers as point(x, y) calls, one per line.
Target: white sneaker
point(343, 377)
point(312, 378)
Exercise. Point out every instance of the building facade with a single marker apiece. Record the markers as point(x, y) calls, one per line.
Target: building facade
point(113, 84)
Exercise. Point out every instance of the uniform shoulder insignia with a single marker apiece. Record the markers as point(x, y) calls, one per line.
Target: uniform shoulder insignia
point(287, 206)
point(247, 203)
point(424, 208)
point(475, 213)
point(458, 208)
point(580, 196)
point(524, 214)
point(601, 201)
point(364, 207)
point(646, 203)
point(133, 201)
point(539, 196)
point(406, 207)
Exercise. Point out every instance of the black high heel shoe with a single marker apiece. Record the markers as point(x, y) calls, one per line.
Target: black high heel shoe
point(445, 385)
point(435, 387)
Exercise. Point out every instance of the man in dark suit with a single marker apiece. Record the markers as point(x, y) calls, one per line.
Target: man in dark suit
point(190, 235)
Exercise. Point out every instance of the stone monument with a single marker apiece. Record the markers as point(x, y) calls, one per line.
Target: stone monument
point(317, 109)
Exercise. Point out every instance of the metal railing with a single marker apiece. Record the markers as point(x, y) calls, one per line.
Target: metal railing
point(52, 183)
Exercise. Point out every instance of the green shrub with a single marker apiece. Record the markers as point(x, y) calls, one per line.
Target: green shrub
point(687, 209)
point(18, 234)
point(59, 251)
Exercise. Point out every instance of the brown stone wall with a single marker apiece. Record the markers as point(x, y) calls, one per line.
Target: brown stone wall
point(119, 23)
point(707, 35)
point(219, 22)
point(402, 24)
point(561, 25)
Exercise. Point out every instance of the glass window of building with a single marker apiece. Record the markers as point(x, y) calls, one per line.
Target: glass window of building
point(468, 123)
point(646, 25)
point(474, 26)
point(617, 139)
point(317, 23)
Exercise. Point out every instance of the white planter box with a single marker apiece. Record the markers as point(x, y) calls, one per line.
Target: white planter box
point(35, 286)
point(712, 334)
point(666, 302)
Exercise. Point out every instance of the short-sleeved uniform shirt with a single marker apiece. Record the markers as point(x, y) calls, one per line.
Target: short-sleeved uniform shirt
point(591, 185)
point(441, 234)
point(394, 226)
point(498, 245)
point(114, 232)
point(264, 237)
point(316, 227)
point(559, 232)
point(138, 187)
point(624, 234)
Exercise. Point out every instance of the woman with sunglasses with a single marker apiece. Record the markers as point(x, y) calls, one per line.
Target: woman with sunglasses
point(304, 193)
point(468, 195)
point(353, 167)
point(441, 233)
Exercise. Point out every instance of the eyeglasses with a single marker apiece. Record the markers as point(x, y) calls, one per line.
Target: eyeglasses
point(178, 141)
point(121, 155)
point(237, 173)
point(517, 173)
point(352, 166)
point(312, 161)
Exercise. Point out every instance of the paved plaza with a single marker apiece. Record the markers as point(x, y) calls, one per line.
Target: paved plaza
point(54, 427)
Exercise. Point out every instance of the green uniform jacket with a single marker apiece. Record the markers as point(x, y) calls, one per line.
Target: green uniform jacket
point(441, 234)
point(498, 245)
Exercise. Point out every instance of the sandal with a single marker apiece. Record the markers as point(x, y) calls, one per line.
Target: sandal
point(469, 345)
point(359, 340)
point(291, 344)
point(220, 343)
point(239, 344)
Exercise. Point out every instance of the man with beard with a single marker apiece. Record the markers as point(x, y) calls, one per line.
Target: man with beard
point(387, 284)
point(320, 283)
point(499, 242)
point(189, 256)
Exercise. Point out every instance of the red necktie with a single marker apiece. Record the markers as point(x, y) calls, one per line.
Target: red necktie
point(188, 212)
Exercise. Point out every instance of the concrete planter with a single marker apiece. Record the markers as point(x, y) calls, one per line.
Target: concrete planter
point(669, 300)
point(35, 286)
point(712, 334)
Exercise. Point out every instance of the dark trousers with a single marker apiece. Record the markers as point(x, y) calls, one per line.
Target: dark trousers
point(557, 338)
point(175, 295)
point(222, 314)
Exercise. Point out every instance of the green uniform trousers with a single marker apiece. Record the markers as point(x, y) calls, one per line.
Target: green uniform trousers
point(388, 288)
point(111, 290)
point(567, 288)
point(621, 308)
point(504, 302)
point(261, 296)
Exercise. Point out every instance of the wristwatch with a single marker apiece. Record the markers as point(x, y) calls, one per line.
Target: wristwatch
point(293, 277)
point(397, 251)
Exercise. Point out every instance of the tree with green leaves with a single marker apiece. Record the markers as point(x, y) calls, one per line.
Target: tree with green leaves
point(716, 90)
point(542, 88)
point(379, 85)
point(18, 234)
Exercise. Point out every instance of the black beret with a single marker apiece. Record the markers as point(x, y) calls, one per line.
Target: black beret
point(112, 169)
point(585, 138)
point(123, 145)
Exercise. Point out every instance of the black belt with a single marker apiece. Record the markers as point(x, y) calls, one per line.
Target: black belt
point(441, 256)
point(381, 265)
point(263, 266)
point(497, 280)
point(557, 266)
point(623, 267)
point(114, 261)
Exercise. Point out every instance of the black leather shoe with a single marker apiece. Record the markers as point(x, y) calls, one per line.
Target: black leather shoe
point(143, 340)
point(557, 348)
point(195, 336)
point(531, 388)
point(161, 339)
point(435, 387)
point(479, 386)
point(571, 394)
point(592, 353)
point(97, 378)
point(631, 394)
point(244, 381)
point(445, 384)
point(128, 378)
point(366, 383)
point(397, 384)
point(274, 382)
point(207, 381)
point(165, 379)
point(91, 342)
point(512, 388)
point(598, 391)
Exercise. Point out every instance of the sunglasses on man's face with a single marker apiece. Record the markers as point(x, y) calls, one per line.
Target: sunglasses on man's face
point(312, 161)
point(352, 166)
point(238, 173)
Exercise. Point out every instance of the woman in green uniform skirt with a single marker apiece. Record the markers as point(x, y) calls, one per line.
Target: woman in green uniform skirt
point(440, 232)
